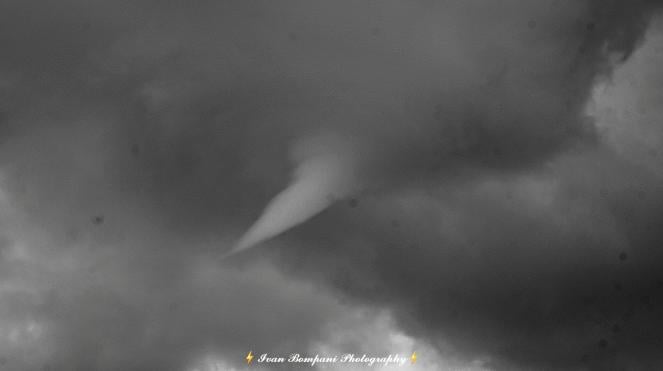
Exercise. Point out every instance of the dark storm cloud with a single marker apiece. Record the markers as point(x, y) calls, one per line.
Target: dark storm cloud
point(538, 271)
point(141, 138)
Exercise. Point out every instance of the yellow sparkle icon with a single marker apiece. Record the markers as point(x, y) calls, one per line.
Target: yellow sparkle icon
point(413, 357)
point(249, 358)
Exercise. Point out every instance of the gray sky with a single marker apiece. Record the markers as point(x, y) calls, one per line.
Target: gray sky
point(478, 182)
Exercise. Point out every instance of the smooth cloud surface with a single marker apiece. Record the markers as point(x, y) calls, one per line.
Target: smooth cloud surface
point(485, 212)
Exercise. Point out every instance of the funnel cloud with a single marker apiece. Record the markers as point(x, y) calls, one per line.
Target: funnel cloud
point(320, 179)
point(477, 182)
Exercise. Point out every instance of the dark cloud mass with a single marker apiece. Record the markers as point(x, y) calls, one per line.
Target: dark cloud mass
point(485, 207)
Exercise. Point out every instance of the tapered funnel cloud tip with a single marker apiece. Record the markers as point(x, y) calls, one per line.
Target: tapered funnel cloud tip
point(319, 180)
point(229, 253)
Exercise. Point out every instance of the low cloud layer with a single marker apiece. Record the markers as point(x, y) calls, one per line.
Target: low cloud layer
point(486, 176)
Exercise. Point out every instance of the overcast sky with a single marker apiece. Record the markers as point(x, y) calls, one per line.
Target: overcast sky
point(480, 182)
